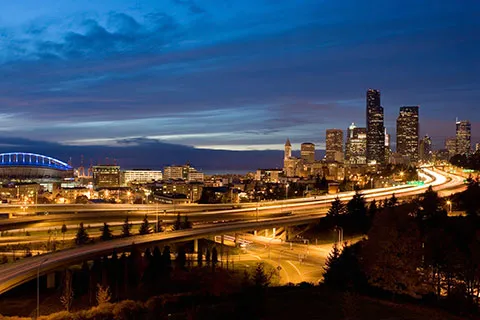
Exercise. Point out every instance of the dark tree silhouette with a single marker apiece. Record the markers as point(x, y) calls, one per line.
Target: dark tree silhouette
point(178, 223)
point(126, 227)
point(214, 257)
point(207, 257)
point(145, 226)
point(337, 208)
point(64, 230)
point(199, 258)
point(181, 258)
point(106, 233)
point(186, 224)
point(82, 235)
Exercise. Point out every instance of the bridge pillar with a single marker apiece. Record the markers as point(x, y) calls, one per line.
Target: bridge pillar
point(51, 280)
point(274, 232)
point(255, 232)
point(195, 246)
point(222, 240)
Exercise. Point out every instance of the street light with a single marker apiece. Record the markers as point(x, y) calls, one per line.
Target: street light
point(38, 287)
point(449, 203)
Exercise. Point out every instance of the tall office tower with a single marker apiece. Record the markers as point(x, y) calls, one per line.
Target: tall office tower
point(464, 137)
point(407, 133)
point(307, 152)
point(425, 148)
point(334, 145)
point(358, 146)
point(375, 128)
point(388, 151)
point(451, 146)
point(348, 147)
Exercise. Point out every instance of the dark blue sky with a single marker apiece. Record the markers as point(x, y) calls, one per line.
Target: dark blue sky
point(230, 75)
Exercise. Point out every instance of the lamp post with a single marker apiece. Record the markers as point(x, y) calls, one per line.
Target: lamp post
point(449, 203)
point(38, 287)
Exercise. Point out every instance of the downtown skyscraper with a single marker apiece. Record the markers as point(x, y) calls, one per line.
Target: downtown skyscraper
point(407, 133)
point(375, 128)
point(463, 137)
point(334, 145)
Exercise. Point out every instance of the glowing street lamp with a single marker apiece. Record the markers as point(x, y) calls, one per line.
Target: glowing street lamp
point(449, 203)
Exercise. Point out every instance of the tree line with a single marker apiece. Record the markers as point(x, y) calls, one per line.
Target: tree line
point(414, 251)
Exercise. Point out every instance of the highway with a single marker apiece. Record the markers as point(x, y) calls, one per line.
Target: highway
point(14, 274)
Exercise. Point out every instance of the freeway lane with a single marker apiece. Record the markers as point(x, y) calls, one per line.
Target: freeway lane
point(117, 212)
point(14, 274)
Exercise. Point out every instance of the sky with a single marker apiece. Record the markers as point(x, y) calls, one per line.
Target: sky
point(140, 80)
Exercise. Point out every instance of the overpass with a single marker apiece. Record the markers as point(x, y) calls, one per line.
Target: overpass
point(19, 272)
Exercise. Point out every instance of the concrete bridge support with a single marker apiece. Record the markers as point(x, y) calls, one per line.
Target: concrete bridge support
point(195, 246)
point(274, 232)
point(51, 280)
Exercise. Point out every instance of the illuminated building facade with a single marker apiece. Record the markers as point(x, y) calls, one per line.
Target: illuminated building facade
point(451, 146)
point(141, 176)
point(375, 128)
point(106, 176)
point(463, 137)
point(307, 152)
point(425, 149)
point(334, 145)
point(408, 132)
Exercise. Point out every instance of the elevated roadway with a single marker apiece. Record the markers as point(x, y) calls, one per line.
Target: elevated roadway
point(14, 274)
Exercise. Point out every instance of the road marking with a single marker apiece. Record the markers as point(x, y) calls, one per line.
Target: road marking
point(295, 267)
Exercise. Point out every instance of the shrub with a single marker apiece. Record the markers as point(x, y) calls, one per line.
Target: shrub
point(128, 310)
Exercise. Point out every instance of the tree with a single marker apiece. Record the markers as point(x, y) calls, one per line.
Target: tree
point(199, 258)
point(178, 223)
point(186, 224)
point(145, 227)
point(470, 199)
point(64, 230)
point(392, 255)
point(430, 206)
point(356, 206)
point(82, 235)
point(106, 233)
point(207, 257)
point(103, 294)
point(372, 209)
point(67, 297)
point(331, 262)
point(392, 202)
point(181, 259)
point(214, 257)
point(337, 208)
point(126, 227)
point(260, 278)
point(81, 199)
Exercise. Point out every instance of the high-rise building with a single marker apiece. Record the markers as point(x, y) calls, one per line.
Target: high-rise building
point(105, 176)
point(407, 133)
point(288, 150)
point(350, 130)
point(307, 152)
point(477, 147)
point(388, 150)
point(334, 145)
point(464, 137)
point(425, 148)
point(451, 146)
point(375, 128)
point(358, 146)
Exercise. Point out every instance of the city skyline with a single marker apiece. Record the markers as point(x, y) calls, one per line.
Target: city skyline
point(93, 79)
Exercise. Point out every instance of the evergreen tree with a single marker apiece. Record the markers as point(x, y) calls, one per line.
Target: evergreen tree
point(106, 233)
point(186, 224)
point(207, 257)
point(431, 206)
point(199, 258)
point(178, 223)
point(337, 208)
point(214, 257)
point(64, 230)
point(145, 227)
point(82, 235)
point(166, 257)
point(126, 227)
point(372, 209)
point(392, 202)
point(356, 206)
point(181, 258)
point(260, 278)
point(330, 278)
